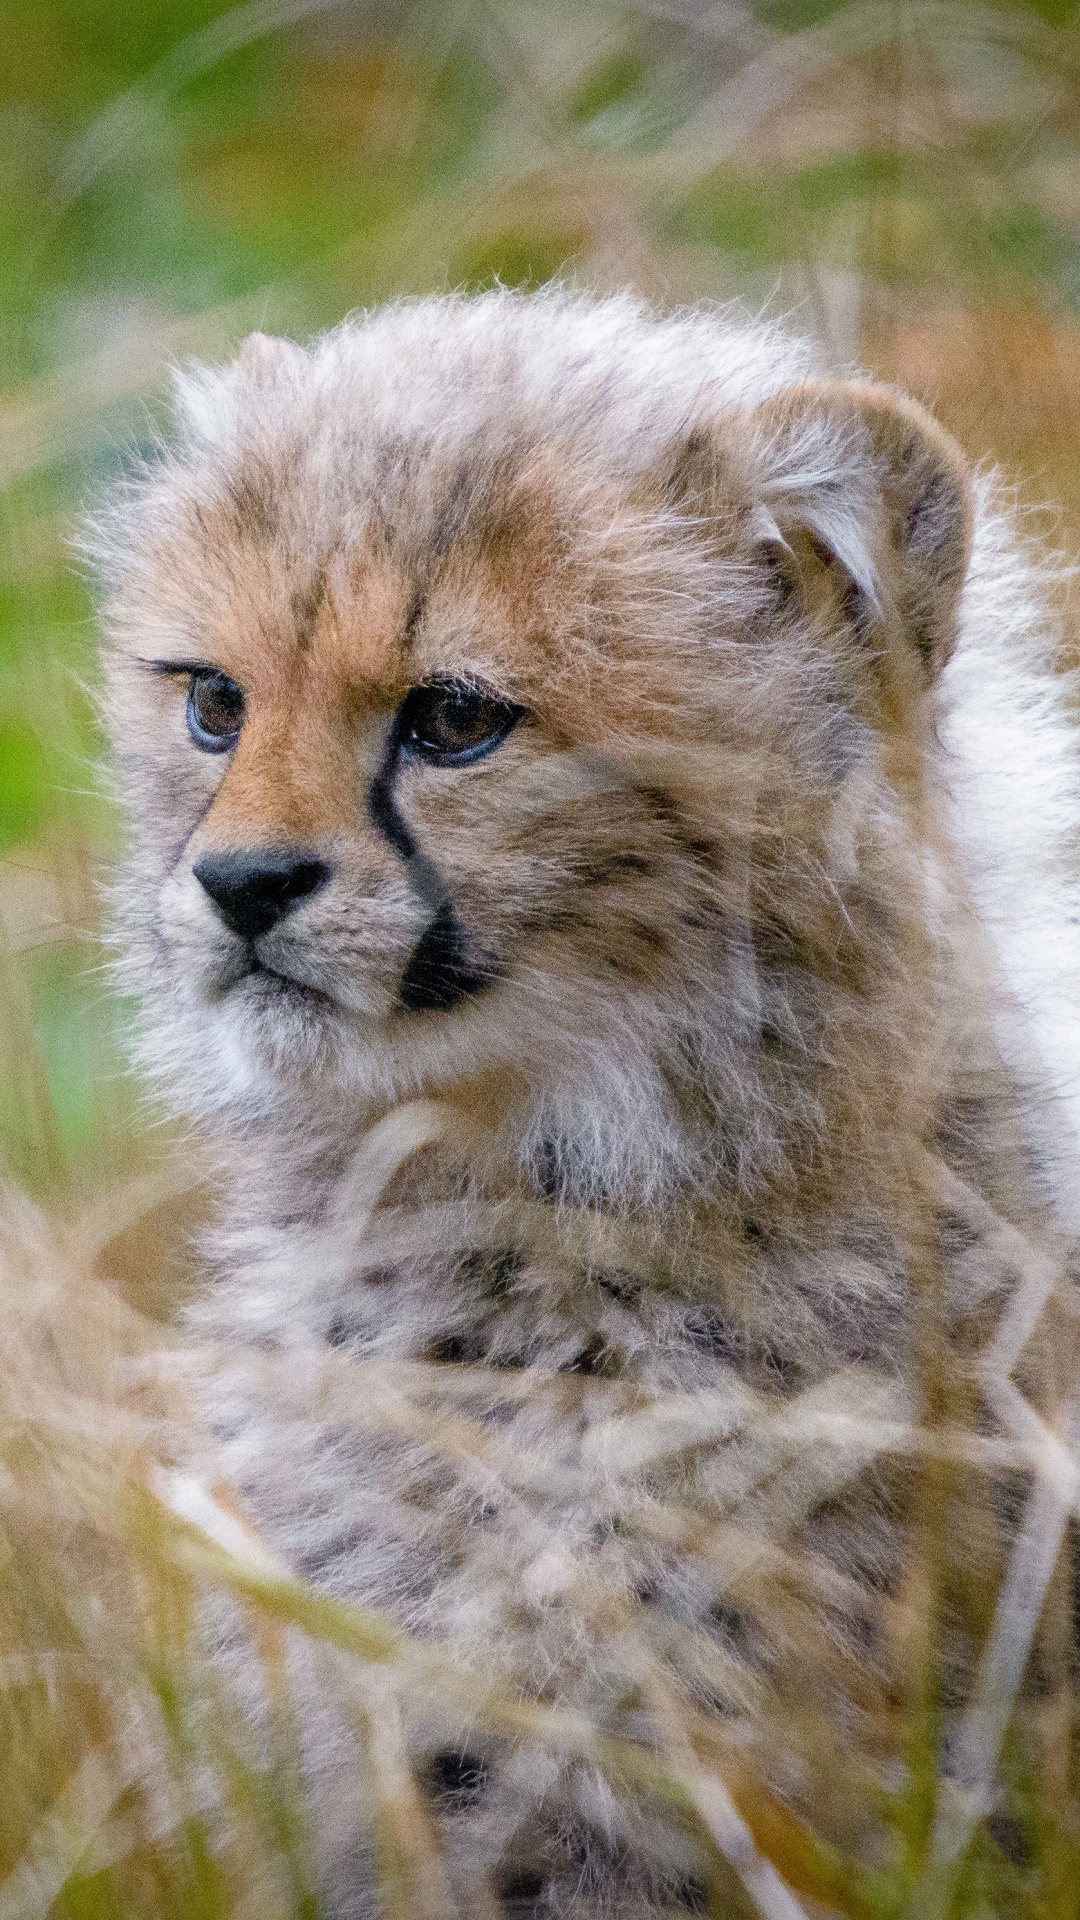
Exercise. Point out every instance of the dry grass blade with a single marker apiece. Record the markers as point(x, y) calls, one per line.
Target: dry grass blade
point(1035, 1554)
point(64, 1834)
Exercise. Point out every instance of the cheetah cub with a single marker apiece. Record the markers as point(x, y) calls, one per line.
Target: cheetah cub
point(599, 878)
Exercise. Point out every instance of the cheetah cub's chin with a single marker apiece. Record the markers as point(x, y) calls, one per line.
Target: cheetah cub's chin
point(572, 722)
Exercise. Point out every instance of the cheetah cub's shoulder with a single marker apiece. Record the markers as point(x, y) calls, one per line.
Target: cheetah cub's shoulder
point(600, 823)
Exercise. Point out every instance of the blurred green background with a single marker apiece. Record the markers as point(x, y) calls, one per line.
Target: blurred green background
point(903, 177)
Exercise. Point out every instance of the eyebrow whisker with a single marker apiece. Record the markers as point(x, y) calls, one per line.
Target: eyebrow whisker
point(180, 668)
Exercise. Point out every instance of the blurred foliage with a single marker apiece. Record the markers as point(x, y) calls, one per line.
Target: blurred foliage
point(904, 175)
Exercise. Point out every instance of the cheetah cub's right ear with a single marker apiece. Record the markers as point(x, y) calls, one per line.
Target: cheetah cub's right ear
point(879, 488)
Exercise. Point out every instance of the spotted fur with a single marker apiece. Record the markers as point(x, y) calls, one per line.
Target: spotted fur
point(716, 963)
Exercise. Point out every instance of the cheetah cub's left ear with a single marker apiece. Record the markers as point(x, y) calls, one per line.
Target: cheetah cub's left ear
point(881, 488)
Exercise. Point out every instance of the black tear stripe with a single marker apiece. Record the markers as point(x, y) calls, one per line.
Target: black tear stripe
point(439, 973)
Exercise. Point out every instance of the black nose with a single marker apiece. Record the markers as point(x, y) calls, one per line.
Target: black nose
point(251, 890)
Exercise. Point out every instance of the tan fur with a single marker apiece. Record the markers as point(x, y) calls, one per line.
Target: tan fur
point(726, 1053)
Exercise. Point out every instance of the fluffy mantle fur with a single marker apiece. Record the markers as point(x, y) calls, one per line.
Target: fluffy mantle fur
point(763, 1055)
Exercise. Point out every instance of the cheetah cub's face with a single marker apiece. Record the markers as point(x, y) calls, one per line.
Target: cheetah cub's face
point(462, 662)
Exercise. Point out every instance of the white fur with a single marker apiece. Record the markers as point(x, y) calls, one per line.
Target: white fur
point(1012, 776)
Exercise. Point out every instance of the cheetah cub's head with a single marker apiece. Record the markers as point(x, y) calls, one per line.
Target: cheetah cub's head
point(518, 695)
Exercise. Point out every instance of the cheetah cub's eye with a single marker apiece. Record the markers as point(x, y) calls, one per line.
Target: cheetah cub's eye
point(215, 710)
point(449, 723)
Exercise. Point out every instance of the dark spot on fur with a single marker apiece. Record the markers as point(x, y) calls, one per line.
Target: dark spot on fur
point(1009, 1494)
point(379, 1276)
point(875, 916)
point(640, 944)
point(493, 1274)
point(507, 1362)
point(548, 1172)
point(661, 805)
point(714, 1334)
point(344, 1330)
point(439, 974)
point(966, 1129)
point(468, 497)
point(784, 587)
point(841, 744)
point(519, 1891)
point(691, 1894)
point(454, 1349)
point(864, 1633)
point(621, 1285)
point(590, 1358)
point(599, 1861)
point(558, 920)
point(700, 919)
point(924, 638)
point(857, 611)
point(252, 496)
point(689, 473)
point(732, 1621)
point(931, 517)
point(454, 1780)
point(653, 938)
point(957, 1235)
point(705, 853)
point(1075, 1579)
point(611, 867)
point(306, 602)
point(779, 1370)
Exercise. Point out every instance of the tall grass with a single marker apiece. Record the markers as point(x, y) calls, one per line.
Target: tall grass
point(139, 1781)
point(907, 176)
